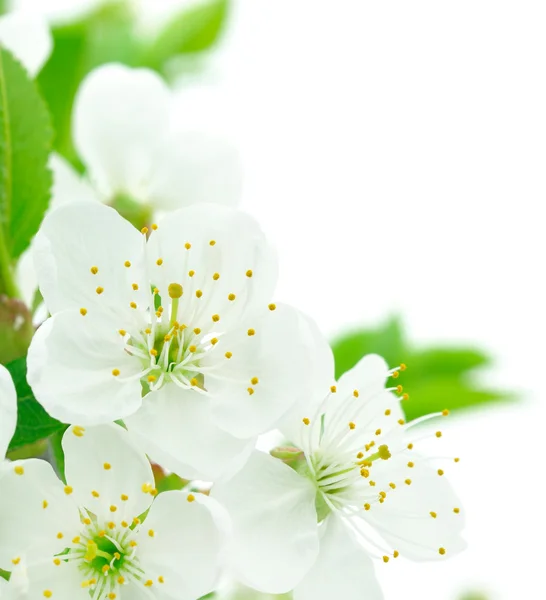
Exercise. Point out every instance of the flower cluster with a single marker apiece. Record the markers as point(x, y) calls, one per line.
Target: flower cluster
point(164, 342)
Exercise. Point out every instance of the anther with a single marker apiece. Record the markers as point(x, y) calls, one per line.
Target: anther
point(367, 506)
point(216, 318)
point(254, 381)
point(94, 270)
point(198, 293)
point(122, 332)
point(228, 354)
point(187, 245)
point(378, 432)
point(333, 389)
point(83, 312)
point(438, 434)
point(78, 430)
point(190, 498)
point(154, 226)
point(445, 412)
point(191, 273)
point(442, 551)
point(115, 372)
point(411, 465)
point(401, 421)
point(212, 242)
point(440, 472)
point(407, 481)
point(387, 412)
point(306, 421)
point(197, 331)
point(456, 510)
point(355, 393)
point(159, 262)
point(433, 514)
point(250, 391)
point(231, 297)
point(193, 381)
point(19, 470)
point(272, 306)
point(386, 559)
point(216, 276)
point(250, 332)
point(214, 341)
point(68, 490)
point(352, 425)
point(144, 230)
point(395, 374)
point(107, 466)
point(249, 273)
point(127, 263)
point(133, 305)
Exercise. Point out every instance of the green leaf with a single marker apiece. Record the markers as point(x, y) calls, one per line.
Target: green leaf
point(33, 422)
point(193, 30)
point(25, 142)
point(107, 35)
point(436, 378)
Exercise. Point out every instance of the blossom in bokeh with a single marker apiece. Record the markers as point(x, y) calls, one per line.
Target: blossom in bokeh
point(27, 36)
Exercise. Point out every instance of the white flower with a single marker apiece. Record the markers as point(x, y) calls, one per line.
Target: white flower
point(125, 134)
point(27, 36)
point(94, 538)
point(358, 489)
point(186, 314)
point(8, 410)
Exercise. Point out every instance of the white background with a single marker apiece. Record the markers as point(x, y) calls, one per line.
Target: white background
point(396, 153)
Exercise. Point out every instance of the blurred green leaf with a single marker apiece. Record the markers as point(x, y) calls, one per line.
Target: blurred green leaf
point(436, 378)
point(33, 423)
point(193, 30)
point(107, 35)
point(25, 181)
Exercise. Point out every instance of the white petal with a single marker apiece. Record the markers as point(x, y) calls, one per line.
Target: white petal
point(174, 427)
point(367, 376)
point(323, 376)
point(238, 247)
point(68, 185)
point(343, 569)
point(27, 36)
point(70, 368)
point(361, 398)
point(279, 354)
point(8, 410)
point(34, 510)
point(63, 580)
point(185, 546)
point(404, 519)
point(275, 534)
point(193, 167)
point(120, 116)
point(104, 459)
point(76, 237)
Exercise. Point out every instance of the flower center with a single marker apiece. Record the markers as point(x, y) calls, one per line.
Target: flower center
point(107, 558)
point(170, 351)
